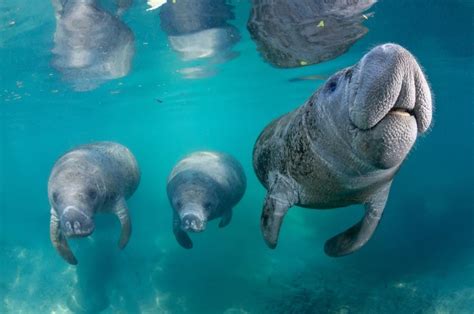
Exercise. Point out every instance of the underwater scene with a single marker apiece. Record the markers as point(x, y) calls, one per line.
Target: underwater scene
point(215, 156)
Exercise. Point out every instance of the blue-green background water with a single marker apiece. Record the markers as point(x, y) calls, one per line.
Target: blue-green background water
point(420, 260)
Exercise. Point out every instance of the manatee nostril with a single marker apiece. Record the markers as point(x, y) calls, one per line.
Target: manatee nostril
point(348, 74)
point(77, 226)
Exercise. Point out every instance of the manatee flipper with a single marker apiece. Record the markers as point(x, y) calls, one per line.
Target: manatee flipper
point(59, 240)
point(182, 237)
point(121, 210)
point(226, 218)
point(356, 236)
point(282, 194)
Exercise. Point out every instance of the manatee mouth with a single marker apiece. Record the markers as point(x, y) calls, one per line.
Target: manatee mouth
point(192, 223)
point(402, 112)
point(388, 84)
point(75, 223)
point(395, 112)
point(75, 230)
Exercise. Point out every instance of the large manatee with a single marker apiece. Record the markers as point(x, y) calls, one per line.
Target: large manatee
point(200, 30)
point(345, 144)
point(90, 179)
point(91, 45)
point(303, 32)
point(201, 187)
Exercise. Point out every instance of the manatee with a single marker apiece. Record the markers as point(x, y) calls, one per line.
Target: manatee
point(86, 180)
point(91, 45)
point(200, 30)
point(345, 144)
point(201, 187)
point(297, 33)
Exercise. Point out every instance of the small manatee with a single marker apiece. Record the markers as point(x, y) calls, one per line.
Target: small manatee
point(201, 187)
point(90, 179)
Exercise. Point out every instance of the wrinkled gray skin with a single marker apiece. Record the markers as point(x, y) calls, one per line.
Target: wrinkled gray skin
point(201, 187)
point(91, 45)
point(200, 29)
point(287, 32)
point(90, 179)
point(345, 144)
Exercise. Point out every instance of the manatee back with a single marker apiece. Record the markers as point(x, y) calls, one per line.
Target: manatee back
point(223, 169)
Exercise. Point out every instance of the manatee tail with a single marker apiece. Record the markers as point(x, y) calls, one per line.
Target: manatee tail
point(356, 236)
point(59, 241)
point(282, 195)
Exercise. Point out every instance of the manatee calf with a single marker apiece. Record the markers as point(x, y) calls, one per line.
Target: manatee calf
point(201, 187)
point(91, 45)
point(304, 32)
point(200, 30)
point(345, 144)
point(90, 179)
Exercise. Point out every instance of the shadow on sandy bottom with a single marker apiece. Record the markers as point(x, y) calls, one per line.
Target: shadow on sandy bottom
point(347, 291)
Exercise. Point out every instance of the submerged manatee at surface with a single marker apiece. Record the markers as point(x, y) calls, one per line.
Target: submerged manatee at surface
point(90, 45)
point(345, 144)
point(201, 187)
point(297, 33)
point(198, 30)
point(90, 179)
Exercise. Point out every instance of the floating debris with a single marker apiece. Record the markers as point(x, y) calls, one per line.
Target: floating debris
point(321, 24)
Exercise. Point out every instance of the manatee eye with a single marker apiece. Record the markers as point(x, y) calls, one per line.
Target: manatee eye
point(92, 194)
point(178, 204)
point(332, 85)
point(55, 197)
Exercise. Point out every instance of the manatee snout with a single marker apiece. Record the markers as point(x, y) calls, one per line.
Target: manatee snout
point(192, 222)
point(389, 81)
point(75, 223)
point(389, 105)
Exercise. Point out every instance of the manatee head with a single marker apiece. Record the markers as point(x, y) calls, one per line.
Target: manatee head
point(194, 197)
point(75, 201)
point(379, 106)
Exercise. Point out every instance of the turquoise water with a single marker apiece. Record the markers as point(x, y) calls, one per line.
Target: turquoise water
point(420, 260)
